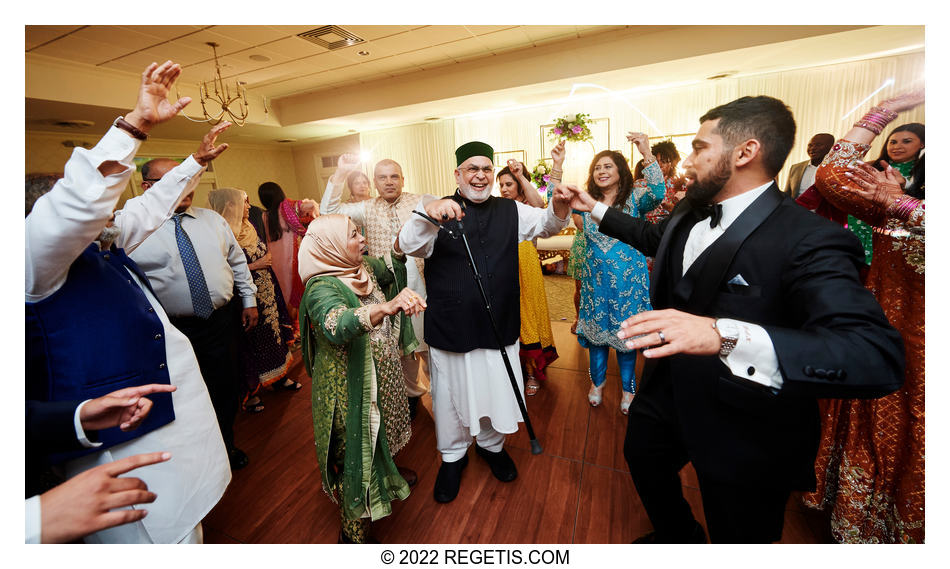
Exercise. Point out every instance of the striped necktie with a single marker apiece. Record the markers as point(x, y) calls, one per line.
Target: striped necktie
point(200, 297)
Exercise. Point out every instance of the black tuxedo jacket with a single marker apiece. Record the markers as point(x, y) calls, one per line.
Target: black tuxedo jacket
point(828, 331)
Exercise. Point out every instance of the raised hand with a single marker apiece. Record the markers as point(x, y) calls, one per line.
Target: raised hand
point(124, 408)
point(558, 154)
point(642, 142)
point(904, 101)
point(81, 505)
point(348, 162)
point(207, 151)
point(515, 168)
point(152, 106)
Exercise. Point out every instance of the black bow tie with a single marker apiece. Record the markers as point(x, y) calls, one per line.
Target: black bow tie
point(713, 211)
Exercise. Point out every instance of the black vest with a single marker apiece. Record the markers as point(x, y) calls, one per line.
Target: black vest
point(456, 319)
point(96, 334)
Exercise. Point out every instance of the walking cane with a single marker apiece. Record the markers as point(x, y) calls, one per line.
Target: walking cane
point(535, 445)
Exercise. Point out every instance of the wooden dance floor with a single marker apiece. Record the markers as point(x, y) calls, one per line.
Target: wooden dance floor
point(577, 491)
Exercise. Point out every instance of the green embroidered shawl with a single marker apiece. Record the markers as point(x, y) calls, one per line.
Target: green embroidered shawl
point(369, 479)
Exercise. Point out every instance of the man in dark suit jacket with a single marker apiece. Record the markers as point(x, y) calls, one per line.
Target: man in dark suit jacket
point(757, 313)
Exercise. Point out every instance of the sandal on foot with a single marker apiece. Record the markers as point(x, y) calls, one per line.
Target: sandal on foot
point(595, 395)
point(292, 386)
point(531, 387)
point(625, 402)
point(252, 406)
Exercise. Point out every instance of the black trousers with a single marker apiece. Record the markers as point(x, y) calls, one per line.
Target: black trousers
point(655, 452)
point(215, 342)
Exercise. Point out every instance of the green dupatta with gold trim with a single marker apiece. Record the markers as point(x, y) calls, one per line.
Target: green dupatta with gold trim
point(369, 479)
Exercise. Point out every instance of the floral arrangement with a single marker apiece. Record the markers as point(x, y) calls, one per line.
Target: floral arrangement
point(574, 128)
point(540, 175)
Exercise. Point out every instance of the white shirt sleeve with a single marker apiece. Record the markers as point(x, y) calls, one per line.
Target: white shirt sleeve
point(70, 216)
point(330, 203)
point(80, 432)
point(34, 520)
point(535, 222)
point(417, 236)
point(142, 215)
point(754, 356)
point(598, 212)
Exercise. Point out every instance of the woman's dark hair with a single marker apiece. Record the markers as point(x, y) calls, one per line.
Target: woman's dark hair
point(667, 150)
point(506, 171)
point(271, 196)
point(626, 178)
point(638, 170)
point(916, 187)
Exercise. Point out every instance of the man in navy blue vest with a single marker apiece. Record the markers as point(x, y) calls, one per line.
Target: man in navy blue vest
point(93, 324)
point(471, 392)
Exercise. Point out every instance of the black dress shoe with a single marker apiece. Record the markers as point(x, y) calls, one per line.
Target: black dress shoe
point(697, 535)
point(448, 480)
point(238, 458)
point(408, 475)
point(413, 408)
point(500, 463)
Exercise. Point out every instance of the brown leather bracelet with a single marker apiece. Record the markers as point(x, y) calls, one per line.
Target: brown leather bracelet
point(129, 128)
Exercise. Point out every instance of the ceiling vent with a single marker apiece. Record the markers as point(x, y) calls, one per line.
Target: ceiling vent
point(331, 37)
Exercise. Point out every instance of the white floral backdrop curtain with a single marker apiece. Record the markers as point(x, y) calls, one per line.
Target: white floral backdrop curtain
point(818, 97)
point(425, 151)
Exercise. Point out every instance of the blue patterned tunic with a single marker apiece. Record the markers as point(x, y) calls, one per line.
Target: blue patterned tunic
point(616, 284)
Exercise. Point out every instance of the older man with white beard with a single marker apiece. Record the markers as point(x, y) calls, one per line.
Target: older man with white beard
point(471, 393)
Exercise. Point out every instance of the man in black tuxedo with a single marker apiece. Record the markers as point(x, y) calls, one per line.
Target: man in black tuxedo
point(758, 311)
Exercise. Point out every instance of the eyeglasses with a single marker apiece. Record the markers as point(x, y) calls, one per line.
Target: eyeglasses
point(473, 170)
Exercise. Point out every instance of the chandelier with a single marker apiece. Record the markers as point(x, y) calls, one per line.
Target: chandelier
point(217, 95)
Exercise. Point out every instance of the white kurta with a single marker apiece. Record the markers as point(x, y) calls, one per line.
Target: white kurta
point(469, 387)
point(60, 227)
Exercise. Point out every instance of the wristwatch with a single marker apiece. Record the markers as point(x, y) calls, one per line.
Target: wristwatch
point(728, 336)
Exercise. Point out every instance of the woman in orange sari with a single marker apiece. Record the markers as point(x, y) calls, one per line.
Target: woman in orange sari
point(870, 466)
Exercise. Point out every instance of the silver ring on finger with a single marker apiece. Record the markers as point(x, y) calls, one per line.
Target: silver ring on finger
point(662, 337)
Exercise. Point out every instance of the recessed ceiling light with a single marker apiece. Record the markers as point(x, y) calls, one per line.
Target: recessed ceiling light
point(363, 52)
point(258, 57)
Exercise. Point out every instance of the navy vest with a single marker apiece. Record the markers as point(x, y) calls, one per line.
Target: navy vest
point(96, 334)
point(456, 319)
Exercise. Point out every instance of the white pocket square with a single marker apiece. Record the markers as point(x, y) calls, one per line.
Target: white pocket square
point(738, 280)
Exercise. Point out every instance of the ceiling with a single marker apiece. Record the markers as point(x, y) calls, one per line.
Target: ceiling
point(381, 76)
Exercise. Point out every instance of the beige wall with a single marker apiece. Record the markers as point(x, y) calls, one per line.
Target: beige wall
point(243, 166)
point(311, 175)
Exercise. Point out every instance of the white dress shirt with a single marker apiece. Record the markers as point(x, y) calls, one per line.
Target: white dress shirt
point(223, 262)
point(808, 179)
point(62, 224)
point(754, 349)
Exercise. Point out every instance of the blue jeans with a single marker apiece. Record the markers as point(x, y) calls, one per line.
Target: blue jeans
point(627, 361)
